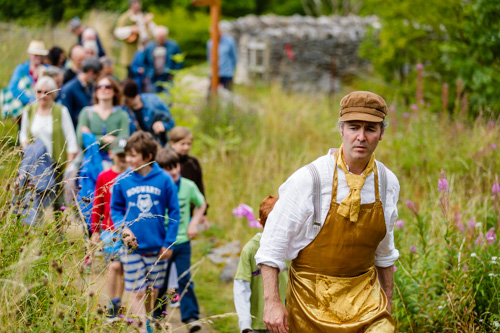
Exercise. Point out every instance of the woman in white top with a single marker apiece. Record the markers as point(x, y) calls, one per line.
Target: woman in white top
point(50, 123)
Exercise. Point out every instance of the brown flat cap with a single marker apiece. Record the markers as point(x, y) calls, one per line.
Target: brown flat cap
point(363, 105)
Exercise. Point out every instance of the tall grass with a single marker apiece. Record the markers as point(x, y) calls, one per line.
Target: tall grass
point(446, 278)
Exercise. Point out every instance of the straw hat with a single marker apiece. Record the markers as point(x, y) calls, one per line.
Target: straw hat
point(37, 47)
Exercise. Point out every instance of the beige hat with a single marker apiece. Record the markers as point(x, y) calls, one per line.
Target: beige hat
point(364, 106)
point(37, 47)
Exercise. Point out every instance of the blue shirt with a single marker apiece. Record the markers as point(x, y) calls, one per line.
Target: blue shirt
point(154, 109)
point(75, 97)
point(228, 55)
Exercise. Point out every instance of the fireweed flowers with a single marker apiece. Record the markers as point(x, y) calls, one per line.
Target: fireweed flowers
point(247, 212)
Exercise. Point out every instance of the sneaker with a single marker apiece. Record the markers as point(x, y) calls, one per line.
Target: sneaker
point(175, 304)
point(193, 325)
point(114, 306)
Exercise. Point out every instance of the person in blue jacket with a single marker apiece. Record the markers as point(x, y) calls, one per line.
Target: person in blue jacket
point(147, 112)
point(163, 58)
point(77, 93)
point(228, 57)
point(140, 198)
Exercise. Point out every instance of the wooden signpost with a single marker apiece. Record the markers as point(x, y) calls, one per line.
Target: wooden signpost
point(215, 11)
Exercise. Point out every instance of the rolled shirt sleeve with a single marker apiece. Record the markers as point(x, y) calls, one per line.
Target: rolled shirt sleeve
point(288, 222)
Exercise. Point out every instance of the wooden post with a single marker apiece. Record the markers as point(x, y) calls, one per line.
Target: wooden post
point(215, 11)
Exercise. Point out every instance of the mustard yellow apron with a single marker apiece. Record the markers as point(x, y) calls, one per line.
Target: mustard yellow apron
point(333, 284)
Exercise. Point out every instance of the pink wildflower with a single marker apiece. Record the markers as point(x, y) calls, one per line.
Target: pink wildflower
point(411, 206)
point(400, 224)
point(176, 298)
point(413, 107)
point(491, 237)
point(63, 208)
point(165, 312)
point(493, 146)
point(394, 268)
point(392, 108)
point(413, 249)
point(471, 224)
point(247, 212)
point(443, 185)
point(495, 189)
point(420, 66)
point(130, 320)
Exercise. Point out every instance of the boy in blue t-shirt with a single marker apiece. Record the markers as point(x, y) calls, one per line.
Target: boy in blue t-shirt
point(188, 194)
point(140, 197)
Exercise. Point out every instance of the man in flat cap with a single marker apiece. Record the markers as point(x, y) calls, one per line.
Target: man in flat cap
point(334, 220)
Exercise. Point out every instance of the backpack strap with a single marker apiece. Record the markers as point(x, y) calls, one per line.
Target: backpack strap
point(383, 182)
point(316, 197)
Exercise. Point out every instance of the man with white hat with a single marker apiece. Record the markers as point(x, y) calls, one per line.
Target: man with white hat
point(26, 74)
point(334, 220)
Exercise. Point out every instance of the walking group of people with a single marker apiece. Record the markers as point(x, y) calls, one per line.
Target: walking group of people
point(324, 261)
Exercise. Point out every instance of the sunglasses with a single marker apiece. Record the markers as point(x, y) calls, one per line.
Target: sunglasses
point(105, 86)
point(42, 92)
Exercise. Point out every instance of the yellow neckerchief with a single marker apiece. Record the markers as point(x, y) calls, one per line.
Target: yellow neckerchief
point(350, 206)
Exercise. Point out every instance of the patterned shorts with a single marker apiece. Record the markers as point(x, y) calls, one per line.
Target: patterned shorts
point(142, 271)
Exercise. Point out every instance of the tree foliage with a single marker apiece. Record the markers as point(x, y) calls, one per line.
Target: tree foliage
point(453, 39)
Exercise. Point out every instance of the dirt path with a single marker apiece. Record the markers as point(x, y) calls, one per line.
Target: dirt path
point(95, 282)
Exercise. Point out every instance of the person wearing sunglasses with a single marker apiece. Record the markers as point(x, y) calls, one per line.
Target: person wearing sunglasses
point(50, 123)
point(105, 118)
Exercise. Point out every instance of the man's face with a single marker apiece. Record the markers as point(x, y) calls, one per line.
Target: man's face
point(175, 172)
point(135, 160)
point(136, 7)
point(360, 139)
point(161, 38)
point(78, 56)
point(36, 60)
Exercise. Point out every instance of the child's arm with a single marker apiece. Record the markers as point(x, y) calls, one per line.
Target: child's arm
point(174, 213)
point(242, 294)
point(196, 220)
point(118, 205)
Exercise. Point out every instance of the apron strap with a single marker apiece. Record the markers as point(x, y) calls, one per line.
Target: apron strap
point(316, 197)
point(383, 180)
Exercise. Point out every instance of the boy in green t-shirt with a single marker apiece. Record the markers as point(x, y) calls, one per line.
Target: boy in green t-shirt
point(248, 286)
point(188, 194)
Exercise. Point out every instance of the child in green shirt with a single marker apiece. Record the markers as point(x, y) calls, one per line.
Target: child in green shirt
point(188, 194)
point(248, 286)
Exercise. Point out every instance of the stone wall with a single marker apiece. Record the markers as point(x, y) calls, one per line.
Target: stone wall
point(304, 53)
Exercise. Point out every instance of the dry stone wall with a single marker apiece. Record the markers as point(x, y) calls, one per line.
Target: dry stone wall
point(304, 53)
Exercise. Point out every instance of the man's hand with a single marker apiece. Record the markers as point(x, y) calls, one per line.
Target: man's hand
point(158, 127)
point(275, 314)
point(275, 317)
point(165, 253)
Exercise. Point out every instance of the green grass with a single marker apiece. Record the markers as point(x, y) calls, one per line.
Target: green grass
point(247, 150)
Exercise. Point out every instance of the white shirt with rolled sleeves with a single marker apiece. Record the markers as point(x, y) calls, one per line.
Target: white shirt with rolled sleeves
point(289, 227)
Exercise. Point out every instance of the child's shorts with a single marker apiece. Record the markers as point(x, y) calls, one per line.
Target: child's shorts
point(142, 270)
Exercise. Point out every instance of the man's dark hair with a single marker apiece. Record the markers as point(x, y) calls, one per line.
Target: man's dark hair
point(130, 88)
point(143, 143)
point(91, 64)
point(167, 158)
